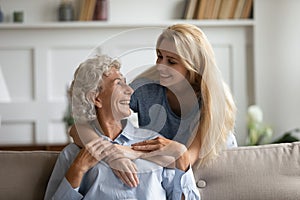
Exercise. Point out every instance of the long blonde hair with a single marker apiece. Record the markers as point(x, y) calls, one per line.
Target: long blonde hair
point(218, 110)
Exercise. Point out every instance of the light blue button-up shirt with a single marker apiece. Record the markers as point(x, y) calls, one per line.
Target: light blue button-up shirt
point(156, 182)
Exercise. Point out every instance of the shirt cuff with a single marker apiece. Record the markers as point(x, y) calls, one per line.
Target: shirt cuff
point(66, 191)
point(184, 182)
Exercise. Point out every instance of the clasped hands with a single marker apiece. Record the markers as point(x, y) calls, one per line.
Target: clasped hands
point(161, 151)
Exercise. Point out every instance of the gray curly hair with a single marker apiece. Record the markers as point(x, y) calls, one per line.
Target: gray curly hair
point(87, 83)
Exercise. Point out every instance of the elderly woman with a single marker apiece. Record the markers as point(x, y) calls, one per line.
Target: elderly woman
point(101, 99)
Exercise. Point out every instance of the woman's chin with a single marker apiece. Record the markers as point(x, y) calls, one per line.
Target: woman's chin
point(123, 114)
point(164, 82)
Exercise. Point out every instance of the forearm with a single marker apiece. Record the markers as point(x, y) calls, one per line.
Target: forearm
point(59, 186)
point(82, 134)
point(128, 152)
point(74, 176)
point(156, 157)
point(194, 150)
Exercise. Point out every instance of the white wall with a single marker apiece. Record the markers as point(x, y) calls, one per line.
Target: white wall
point(48, 53)
point(277, 62)
point(276, 59)
point(39, 62)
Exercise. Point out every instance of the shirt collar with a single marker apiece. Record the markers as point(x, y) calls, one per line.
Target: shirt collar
point(125, 136)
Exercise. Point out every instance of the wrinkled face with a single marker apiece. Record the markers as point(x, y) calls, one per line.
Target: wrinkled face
point(115, 94)
point(169, 65)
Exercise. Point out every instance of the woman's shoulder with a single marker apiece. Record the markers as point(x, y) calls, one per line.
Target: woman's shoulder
point(70, 151)
point(146, 92)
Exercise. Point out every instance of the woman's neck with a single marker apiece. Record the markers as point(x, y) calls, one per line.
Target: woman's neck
point(181, 100)
point(109, 126)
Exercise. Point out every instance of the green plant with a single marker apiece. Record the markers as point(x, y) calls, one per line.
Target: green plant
point(258, 132)
point(290, 136)
point(68, 118)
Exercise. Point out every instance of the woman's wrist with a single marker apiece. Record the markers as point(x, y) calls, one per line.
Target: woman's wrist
point(183, 162)
point(74, 175)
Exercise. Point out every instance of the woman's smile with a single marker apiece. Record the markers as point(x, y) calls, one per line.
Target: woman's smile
point(124, 102)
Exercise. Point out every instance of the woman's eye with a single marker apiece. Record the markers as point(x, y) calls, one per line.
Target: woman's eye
point(121, 82)
point(172, 62)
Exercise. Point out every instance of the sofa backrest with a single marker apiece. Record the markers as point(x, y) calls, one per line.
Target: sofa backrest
point(264, 172)
point(25, 174)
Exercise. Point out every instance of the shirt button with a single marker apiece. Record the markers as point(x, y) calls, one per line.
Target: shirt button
point(201, 184)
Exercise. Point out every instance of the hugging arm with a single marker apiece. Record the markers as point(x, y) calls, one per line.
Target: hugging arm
point(82, 163)
point(161, 151)
point(68, 172)
point(121, 165)
point(165, 148)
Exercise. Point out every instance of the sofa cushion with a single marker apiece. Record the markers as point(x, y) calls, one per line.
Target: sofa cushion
point(25, 174)
point(254, 172)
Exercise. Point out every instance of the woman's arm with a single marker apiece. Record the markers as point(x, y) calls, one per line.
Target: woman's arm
point(82, 134)
point(194, 149)
point(164, 152)
point(119, 160)
point(82, 163)
point(158, 144)
point(68, 172)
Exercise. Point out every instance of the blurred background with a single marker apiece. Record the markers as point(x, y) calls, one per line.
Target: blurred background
point(43, 42)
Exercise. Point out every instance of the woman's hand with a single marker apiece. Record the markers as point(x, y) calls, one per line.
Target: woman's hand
point(162, 149)
point(82, 163)
point(160, 146)
point(126, 171)
point(118, 158)
point(121, 163)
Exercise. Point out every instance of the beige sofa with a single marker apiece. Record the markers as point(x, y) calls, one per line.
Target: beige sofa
point(256, 172)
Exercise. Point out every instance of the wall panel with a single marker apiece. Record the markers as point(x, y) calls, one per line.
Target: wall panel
point(18, 70)
point(17, 132)
point(37, 75)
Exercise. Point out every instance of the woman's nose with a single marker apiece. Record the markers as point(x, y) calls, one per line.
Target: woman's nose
point(128, 89)
point(160, 66)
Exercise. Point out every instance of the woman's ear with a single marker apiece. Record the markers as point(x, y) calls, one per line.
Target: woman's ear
point(98, 101)
point(94, 97)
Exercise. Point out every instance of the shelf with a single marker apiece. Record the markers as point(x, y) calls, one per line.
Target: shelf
point(108, 24)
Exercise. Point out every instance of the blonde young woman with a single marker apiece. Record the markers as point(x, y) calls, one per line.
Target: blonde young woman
point(190, 84)
point(189, 103)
